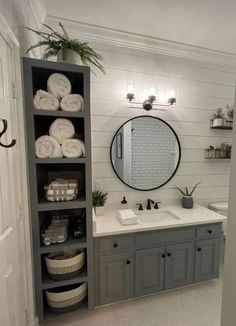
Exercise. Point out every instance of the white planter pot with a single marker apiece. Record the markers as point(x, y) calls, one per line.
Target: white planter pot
point(71, 57)
point(218, 122)
point(99, 210)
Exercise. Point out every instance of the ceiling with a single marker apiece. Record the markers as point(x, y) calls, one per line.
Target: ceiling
point(206, 23)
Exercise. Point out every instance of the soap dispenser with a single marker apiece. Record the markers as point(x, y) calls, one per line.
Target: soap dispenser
point(124, 203)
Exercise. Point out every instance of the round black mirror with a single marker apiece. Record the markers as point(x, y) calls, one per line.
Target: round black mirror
point(145, 153)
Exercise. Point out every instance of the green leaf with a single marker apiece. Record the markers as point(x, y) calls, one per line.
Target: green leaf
point(194, 188)
point(180, 190)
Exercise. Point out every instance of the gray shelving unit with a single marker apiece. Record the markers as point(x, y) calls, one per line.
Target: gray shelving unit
point(35, 75)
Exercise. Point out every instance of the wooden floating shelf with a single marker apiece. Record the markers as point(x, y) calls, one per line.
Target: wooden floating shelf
point(222, 128)
point(50, 284)
point(65, 114)
point(71, 243)
point(219, 158)
point(45, 205)
point(63, 160)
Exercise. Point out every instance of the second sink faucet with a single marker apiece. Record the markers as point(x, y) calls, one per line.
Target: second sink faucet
point(149, 202)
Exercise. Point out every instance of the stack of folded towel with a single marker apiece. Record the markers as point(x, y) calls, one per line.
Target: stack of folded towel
point(127, 217)
point(60, 141)
point(58, 95)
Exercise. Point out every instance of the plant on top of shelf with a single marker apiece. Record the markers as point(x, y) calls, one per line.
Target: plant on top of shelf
point(67, 49)
point(99, 200)
point(187, 200)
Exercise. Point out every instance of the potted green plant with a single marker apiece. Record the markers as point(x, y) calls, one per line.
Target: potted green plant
point(187, 200)
point(99, 200)
point(66, 49)
point(218, 118)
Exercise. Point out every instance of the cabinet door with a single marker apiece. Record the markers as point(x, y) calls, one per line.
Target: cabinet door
point(116, 277)
point(179, 265)
point(149, 270)
point(207, 261)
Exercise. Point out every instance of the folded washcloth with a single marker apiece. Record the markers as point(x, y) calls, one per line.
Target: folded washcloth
point(45, 101)
point(62, 129)
point(73, 148)
point(127, 217)
point(58, 85)
point(47, 146)
point(72, 102)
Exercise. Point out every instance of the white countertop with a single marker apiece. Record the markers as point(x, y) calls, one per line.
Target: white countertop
point(109, 225)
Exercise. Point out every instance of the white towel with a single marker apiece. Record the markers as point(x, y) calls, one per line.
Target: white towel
point(58, 85)
point(62, 129)
point(73, 148)
point(47, 146)
point(72, 102)
point(127, 217)
point(45, 101)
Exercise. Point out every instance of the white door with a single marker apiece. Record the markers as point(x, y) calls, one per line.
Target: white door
point(12, 295)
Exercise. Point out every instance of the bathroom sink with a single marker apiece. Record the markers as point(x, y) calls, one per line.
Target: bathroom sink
point(157, 216)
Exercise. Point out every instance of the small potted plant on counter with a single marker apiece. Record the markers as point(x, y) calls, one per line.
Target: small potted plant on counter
point(99, 200)
point(187, 200)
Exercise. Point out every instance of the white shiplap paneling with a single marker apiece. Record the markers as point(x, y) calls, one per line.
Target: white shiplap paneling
point(201, 89)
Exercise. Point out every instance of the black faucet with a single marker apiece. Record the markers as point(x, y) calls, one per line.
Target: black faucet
point(149, 202)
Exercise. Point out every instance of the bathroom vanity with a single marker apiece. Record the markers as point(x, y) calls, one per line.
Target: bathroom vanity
point(160, 254)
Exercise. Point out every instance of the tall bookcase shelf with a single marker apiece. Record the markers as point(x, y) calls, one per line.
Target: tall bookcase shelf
point(36, 73)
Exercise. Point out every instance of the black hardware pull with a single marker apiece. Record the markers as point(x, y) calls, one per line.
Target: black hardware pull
point(115, 245)
point(210, 231)
point(199, 249)
point(169, 254)
point(128, 262)
point(13, 142)
point(163, 256)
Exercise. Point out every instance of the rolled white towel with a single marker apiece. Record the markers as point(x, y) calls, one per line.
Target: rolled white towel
point(72, 102)
point(45, 101)
point(73, 148)
point(58, 85)
point(47, 146)
point(62, 129)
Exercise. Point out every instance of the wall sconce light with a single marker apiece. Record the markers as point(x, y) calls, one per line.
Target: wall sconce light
point(163, 98)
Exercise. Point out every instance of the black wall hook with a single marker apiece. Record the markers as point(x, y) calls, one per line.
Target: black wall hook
point(13, 142)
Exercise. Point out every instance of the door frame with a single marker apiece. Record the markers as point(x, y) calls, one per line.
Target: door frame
point(22, 200)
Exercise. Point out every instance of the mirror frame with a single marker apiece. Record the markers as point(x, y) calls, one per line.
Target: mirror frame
point(179, 146)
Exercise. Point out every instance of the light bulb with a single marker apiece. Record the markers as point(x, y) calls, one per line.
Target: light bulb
point(130, 89)
point(172, 93)
point(152, 91)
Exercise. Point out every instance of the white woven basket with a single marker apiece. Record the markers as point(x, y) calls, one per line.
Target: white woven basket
point(61, 263)
point(66, 299)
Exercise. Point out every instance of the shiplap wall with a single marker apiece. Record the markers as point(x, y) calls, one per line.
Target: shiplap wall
point(201, 89)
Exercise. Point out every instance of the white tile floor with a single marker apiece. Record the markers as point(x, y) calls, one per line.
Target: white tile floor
point(197, 305)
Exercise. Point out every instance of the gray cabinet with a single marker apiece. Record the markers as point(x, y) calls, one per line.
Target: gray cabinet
point(163, 260)
point(207, 259)
point(179, 265)
point(115, 277)
point(149, 270)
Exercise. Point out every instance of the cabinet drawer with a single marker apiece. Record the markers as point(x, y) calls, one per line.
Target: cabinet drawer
point(173, 235)
point(114, 244)
point(209, 231)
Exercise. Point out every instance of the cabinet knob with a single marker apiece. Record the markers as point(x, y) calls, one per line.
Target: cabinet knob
point(168, 254)
point(163, 255)
point(115, 245)
point(210, 231)
point(128, 262)
point(199, 249)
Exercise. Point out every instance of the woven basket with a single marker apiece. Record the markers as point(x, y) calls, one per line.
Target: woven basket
point(64, 265)
point(65, 299)
point(61, 190)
